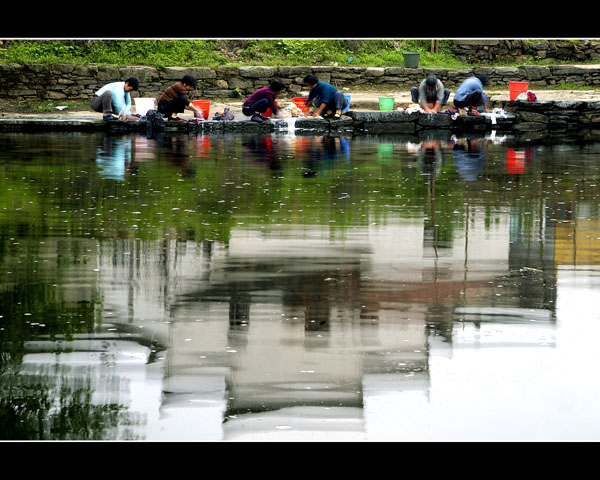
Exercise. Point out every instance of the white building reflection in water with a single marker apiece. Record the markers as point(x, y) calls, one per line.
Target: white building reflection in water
point(380, 336)
point(276, 337)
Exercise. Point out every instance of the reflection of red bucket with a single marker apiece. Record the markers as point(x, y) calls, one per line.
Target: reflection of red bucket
point(204, 141)
point(515, 162)
point(516, 88)
point(300, 101)
point(203, 105)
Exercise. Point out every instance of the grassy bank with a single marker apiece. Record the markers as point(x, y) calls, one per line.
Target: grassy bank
point(212, 53)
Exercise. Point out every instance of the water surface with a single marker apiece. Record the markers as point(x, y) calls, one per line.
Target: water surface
point(286, 287)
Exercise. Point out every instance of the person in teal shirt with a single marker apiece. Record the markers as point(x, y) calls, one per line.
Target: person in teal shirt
point(325, 97)
point(115, 99)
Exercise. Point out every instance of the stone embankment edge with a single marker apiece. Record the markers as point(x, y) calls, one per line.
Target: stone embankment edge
point(521, 116)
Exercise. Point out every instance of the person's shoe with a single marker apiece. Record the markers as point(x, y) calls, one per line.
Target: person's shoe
point(109, 116)
point(257, 117)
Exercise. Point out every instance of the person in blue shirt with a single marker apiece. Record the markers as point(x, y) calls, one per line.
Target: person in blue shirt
point(115, 99)
point(324, 97)
point(470, 94)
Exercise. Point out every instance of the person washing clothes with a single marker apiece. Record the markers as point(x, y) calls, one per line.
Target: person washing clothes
point(262, 99)
point(430, 94)
point(325, 97)
point(115, 99)
point(470, 94)
point(175, 99)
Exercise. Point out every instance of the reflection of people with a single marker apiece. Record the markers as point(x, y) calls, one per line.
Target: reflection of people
point(470, 93)
point(175, 98)
point(113, 157)
point(430, 94)
point(114, 99)
point(261, 99)
point(468, 156)
point(325, 97)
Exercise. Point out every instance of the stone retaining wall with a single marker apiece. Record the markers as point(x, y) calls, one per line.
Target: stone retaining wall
point(521, 51)
point(71, 82)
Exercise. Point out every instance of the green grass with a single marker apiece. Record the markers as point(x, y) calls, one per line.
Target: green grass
point(213, 53)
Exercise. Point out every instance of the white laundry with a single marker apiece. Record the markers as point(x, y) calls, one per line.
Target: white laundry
point(497, 112)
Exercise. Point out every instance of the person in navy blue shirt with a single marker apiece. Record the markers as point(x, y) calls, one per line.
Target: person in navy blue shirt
point(325, 97)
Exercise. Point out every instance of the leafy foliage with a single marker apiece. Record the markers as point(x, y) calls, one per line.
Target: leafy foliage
point(220, 52)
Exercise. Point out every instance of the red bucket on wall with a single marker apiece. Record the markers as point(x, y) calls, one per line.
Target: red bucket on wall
point(517, 88)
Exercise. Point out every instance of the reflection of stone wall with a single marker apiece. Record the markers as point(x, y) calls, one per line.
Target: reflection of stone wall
point(78, 82)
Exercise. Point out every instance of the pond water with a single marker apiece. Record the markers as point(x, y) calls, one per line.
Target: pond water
point(302, 288)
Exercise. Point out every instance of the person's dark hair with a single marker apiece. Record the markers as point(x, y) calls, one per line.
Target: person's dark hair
point(133, 82)
point(277, 85)
point(484, 79)
point(311, 79)
point(189, 80)
point(431, 80)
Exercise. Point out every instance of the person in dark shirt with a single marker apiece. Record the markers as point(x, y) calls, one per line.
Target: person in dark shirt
point(430, 94)
point(175, 98)
point(325, 97)
point(263, 98)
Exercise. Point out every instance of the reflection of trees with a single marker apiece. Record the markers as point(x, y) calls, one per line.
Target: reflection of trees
point(32, 408)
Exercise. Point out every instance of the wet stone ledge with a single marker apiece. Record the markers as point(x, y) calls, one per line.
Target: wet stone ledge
point(521, 116)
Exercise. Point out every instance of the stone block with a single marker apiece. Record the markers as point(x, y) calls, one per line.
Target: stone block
point(432, 120)
point(535, 72)
point(257, 72)
point(384, 117)
point(293, 71)
point(202, 73)
point(533, 117)
point(374, 72)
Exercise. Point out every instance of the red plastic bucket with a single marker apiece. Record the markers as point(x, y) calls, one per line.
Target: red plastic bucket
point(204, 106)
point(299, 102)
point(516, 88)
point(268, 111)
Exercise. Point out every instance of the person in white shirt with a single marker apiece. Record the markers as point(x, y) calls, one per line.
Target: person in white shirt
point(115, 99)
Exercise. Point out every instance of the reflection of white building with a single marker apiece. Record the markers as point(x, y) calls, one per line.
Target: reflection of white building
point(248, 335)
point(280, 337)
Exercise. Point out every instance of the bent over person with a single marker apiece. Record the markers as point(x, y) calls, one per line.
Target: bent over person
point(430, 94)
point(175, 98)
point(114, 99)
point(470, 94)
point(325, 97)
point(261, 100)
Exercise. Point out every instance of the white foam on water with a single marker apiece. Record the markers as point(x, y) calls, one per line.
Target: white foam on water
point(291, 125)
